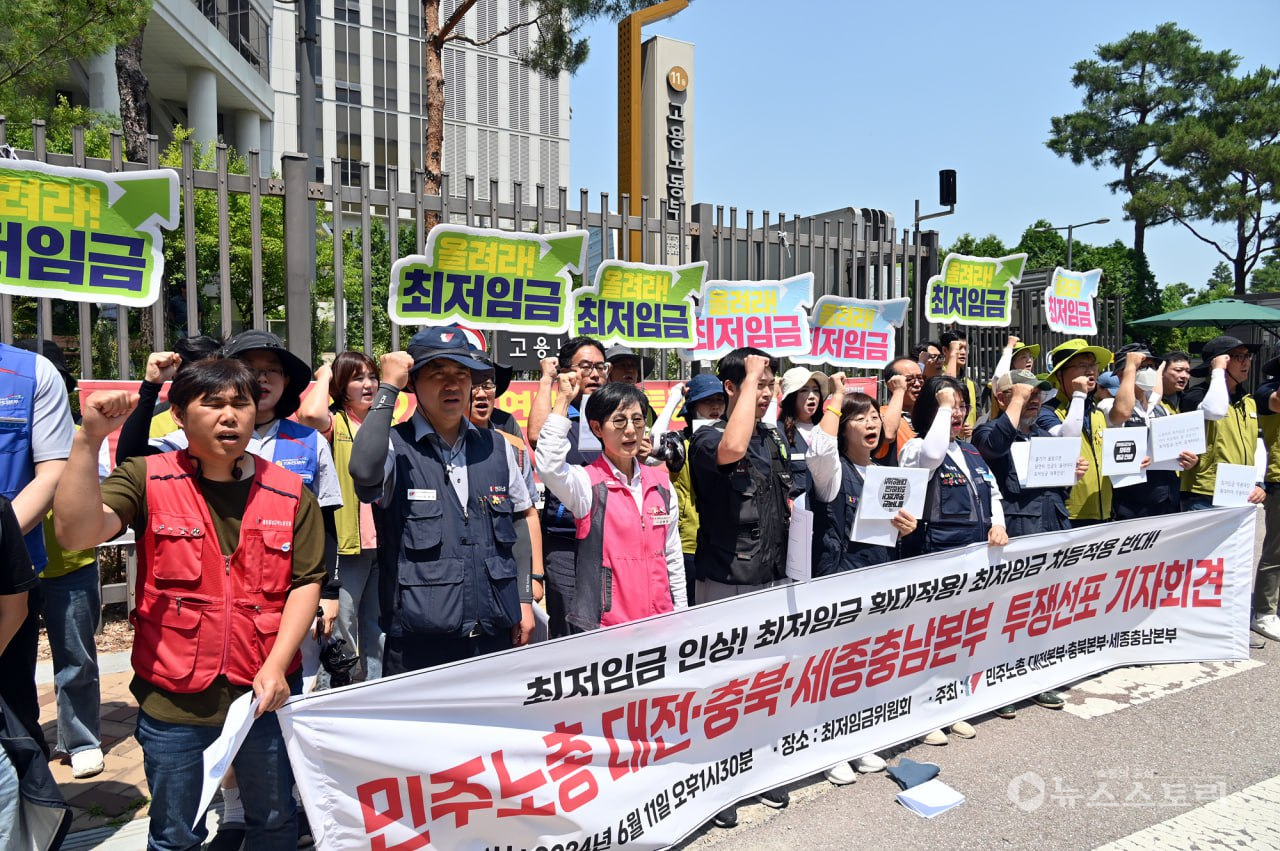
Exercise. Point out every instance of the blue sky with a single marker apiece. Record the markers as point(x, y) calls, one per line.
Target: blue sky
point(850, 103)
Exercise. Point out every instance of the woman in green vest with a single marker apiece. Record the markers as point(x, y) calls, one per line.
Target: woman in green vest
point(351, 382)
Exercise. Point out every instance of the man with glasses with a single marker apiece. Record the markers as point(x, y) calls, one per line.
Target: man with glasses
point(1230, 419)
point(928, 354)
point(1074, 374)
point(586, 357)
point(447, 495)
point(902, 379)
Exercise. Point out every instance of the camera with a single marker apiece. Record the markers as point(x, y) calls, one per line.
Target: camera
point(670, 450)
point(336, 663)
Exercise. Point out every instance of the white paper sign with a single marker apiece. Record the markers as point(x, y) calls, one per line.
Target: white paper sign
point(1233, 484)
point(887, 490)
point(1052, 462)
point(1123, 450)
point(1178, 433)
point(587, 440)
point(218, 756)
point(800, 542)
point(1020, 452)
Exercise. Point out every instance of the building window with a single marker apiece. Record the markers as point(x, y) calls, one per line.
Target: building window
point(385, 93)
point(487, 24)
point(347, 10)
point(448, 7)
point(384, 14)
point(518, 41)
point(417, 98)
point(518, 95)
point(548, 106)
point(347, 125)
point(386, 148)
point(549, 169)
point(346, 53)
point(520, 165)
point(486, 163)
point(454, 155)
point(417, 144)
point(487, 89)
point(455, 84)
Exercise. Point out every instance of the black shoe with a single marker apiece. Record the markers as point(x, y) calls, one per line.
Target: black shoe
point(726, 818)
point(229, 838)
point(1007, 712)
point(1049, 700)
point(776, 798)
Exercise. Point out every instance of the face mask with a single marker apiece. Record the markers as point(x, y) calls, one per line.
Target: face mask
point(1146, 379)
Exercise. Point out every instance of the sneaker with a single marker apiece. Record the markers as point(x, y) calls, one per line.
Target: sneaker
point(728, 817)
point(870, 763)
point(841, 774)
point(1049, 700)
point(1268, 626)
point(1256, 643)
point(963, 729)
point(776, 798)
point(86, 763)
point(937, 738)
point(1007, 712)
point(230, 838)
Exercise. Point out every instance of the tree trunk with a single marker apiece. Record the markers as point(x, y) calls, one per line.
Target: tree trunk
point(433, 86)
point(1139, 237)
point(133, 86)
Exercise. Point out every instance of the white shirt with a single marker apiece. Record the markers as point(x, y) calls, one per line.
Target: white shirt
point(572, 486)
point(928, 452)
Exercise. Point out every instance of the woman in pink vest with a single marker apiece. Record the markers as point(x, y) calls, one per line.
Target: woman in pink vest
point(630, 563)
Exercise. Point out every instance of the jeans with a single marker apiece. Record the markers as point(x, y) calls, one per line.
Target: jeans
point(1196, 502)
point(172, 757)
point(72, 609)
point(358, 610)
point(10, 803)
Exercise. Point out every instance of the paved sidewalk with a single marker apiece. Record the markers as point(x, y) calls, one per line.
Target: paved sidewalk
point(119, 794)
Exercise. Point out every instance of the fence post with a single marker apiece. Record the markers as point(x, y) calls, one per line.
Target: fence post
point(299, 259)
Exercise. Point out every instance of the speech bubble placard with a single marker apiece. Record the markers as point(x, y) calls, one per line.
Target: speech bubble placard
point(84, 235)
point(488, 279)
point(639, 304)
point(1068, 301)
point(768, 315)
point(974, 290)
point(854, 332)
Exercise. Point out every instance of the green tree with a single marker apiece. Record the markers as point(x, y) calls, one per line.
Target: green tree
point(1136, 92)
point(1227, 159)
point(1045, 249)
point(39, 37)
point(557, 46)
point(208, 226)
point(1266, 275)
point(988, 246)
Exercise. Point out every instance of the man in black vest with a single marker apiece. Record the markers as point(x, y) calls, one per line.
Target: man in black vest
point(447, 495)
point(741, 482)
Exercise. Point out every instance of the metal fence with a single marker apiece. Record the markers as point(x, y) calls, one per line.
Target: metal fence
point(851, 251)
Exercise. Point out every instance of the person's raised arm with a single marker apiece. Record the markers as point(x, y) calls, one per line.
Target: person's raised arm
point(135, 434)
point(1217, 399)
point(951, 358)
point(570, 483)
point(935, 444)
point(1006, 359)
point(541, 405)
point(1073, 425)
point(80, 520)
point(1125, 396)
point(314, 409)
point(742, 421)
point(892, 418)
point(369, 448)
point(823, 458)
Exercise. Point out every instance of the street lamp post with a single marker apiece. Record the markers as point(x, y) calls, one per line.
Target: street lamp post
point(1070, 230)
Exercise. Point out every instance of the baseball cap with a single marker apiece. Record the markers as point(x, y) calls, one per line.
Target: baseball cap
point(445, 342)
point(1109, 381)
point(1021, 376)
point(616, 353)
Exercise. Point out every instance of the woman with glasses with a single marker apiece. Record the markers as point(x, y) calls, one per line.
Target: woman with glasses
point(840, 451)
point(629, 561)
point(962, 505)
point(351, 382)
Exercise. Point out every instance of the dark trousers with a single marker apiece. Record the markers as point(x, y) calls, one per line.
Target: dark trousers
point(18, 672)
point(416, 652)
point(559, 559)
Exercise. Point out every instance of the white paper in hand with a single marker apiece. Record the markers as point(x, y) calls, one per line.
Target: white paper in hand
point(1123, 450)
point(1172, 435)
point(587, 440)
point(1020, 452)
point(218, 756)
point(1233, 484)
point(800, 542)
point(1052, 462)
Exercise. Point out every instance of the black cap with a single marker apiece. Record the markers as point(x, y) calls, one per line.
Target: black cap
point(1216, 347)
point(447, 342)
point(617, 353)
point(501, 372)
point(295, 368)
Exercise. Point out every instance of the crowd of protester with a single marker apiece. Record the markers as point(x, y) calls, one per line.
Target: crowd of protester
point(265, 519)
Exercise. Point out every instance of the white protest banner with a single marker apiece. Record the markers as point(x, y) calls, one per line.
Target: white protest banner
point(1233, 483)
point(854, 332)
point(1052, 462)
point(886, 490)
point(638, 734)
point(1172, 435)
point(1123, 450)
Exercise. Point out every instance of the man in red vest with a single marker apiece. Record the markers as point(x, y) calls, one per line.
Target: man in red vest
point(230, 560)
